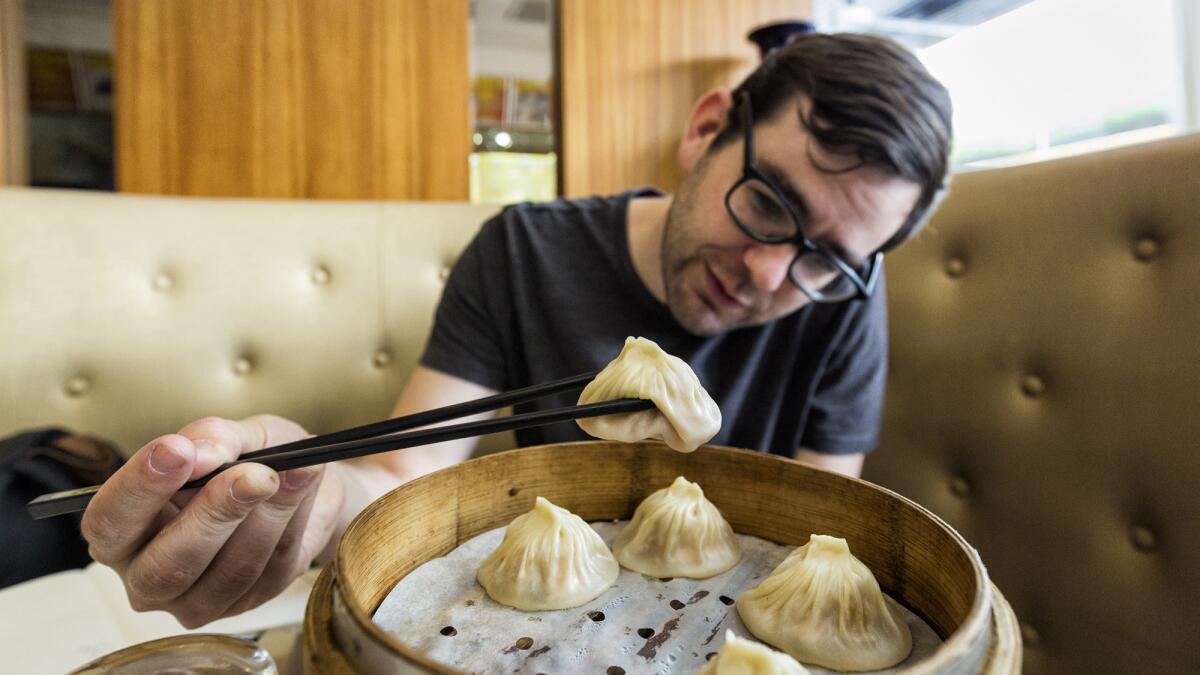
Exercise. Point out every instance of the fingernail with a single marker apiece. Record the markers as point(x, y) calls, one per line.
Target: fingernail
point(247, 489)
point(164, 459)
point(297, 478)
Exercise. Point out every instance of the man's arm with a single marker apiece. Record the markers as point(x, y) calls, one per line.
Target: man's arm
point(366, 479)
point(850, 465)
point(427, 389)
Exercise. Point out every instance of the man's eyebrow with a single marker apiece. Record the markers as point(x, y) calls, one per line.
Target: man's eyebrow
point(797, 200)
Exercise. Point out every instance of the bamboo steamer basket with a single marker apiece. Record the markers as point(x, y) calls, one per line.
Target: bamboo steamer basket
point(917, 558)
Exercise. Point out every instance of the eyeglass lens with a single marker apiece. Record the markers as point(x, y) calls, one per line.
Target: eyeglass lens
point(759, 212)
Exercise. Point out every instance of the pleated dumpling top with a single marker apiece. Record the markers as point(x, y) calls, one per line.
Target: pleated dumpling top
point(549, 559)
point(677, 532)
point(685, 416)
point(825, 608)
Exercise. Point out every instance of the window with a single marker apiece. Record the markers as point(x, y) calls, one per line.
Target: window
point(512, 93)
point(1047, 77)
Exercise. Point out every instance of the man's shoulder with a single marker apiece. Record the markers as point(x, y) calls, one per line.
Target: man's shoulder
point(562, 208)
point(591, 209)
point(562, 227)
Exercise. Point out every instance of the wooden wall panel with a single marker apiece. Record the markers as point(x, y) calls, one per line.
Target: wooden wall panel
point(14, 156)
point(293, 98)
point(630, 71)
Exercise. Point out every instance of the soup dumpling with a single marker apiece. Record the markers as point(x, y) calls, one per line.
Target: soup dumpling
point(685, 416)
point(677, 532)
point(825, 608)
point(549, 559)
point(739, 656)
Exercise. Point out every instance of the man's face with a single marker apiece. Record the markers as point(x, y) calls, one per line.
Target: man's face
point(718, 279)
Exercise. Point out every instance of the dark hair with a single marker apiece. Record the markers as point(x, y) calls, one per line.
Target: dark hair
point(871, 99)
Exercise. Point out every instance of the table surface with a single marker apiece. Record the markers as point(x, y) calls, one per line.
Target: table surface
point(56, 623)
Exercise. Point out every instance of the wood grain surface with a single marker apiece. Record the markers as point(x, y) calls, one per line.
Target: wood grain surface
point(630, 73)
point(293, 98)
point(14, 159)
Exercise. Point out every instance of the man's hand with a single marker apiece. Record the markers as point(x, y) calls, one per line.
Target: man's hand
point(228, 547)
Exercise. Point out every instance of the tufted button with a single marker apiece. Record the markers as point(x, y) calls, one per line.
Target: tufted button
point(1143, 539)
point(1033, 386)
point(162, 282)
point(1029, 635)
point(242, 366)
point(381, 359)
point(955, 267)
point(1146, 249)
point(320, 275)
point(959, 486)
point(77, 386)
point(444, 273)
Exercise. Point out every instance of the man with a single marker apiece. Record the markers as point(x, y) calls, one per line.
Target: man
point(764, 272)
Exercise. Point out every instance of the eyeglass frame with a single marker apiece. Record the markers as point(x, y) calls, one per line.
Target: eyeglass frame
point(751, 171)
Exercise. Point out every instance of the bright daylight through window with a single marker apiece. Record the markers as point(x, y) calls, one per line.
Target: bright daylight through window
point(1033, 80)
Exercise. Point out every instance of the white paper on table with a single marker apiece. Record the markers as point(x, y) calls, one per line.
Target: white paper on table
point(56, 623)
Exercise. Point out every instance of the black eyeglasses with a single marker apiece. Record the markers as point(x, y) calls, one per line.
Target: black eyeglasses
point(759, 208)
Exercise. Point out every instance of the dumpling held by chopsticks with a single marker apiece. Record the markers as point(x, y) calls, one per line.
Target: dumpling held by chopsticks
point(685, 416)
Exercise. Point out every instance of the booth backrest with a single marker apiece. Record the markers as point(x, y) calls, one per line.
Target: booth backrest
point(128, 316)
point(1043, 394)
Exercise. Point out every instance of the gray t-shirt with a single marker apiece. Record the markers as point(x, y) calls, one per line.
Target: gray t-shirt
point(546, 291)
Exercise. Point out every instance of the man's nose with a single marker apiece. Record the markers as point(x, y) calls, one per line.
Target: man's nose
point(768, 265)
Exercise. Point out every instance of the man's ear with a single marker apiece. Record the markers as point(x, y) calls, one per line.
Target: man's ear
point(708, 118)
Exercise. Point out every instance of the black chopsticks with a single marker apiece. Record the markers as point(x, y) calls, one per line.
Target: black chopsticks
point(386, 435)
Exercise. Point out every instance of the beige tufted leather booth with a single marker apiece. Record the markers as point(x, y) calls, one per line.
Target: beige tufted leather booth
point(1044, 369)
point(1043, 398)
point(128, 316)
